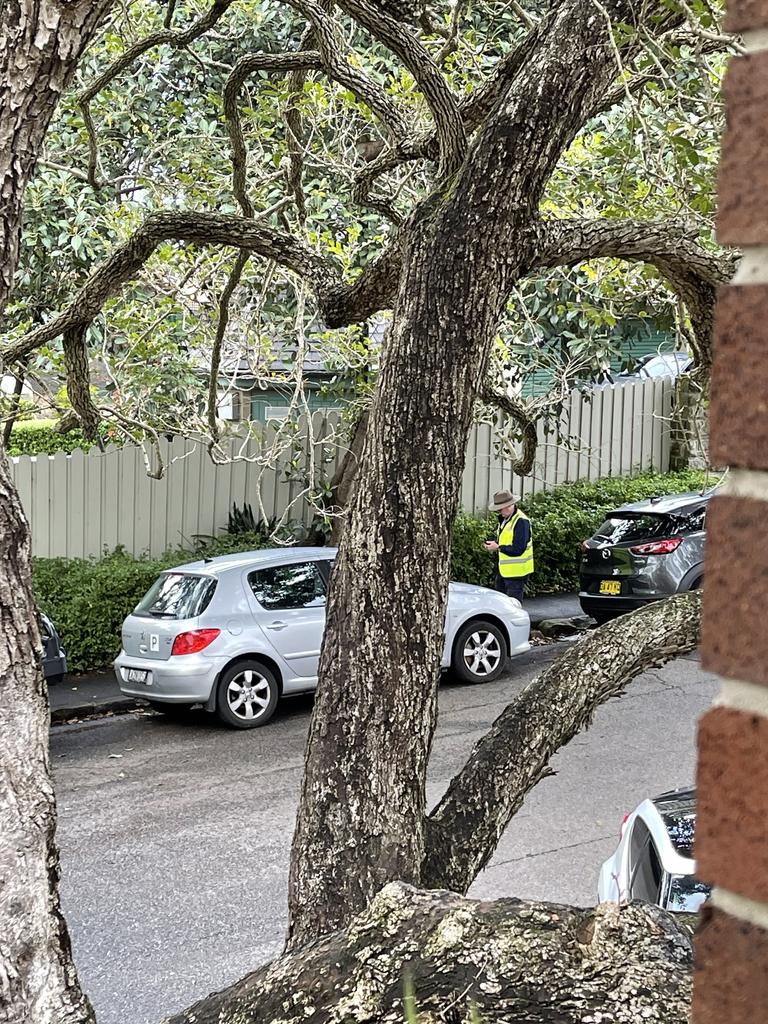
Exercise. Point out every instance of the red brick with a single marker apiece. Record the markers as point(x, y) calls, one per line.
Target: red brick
point(734, 627)
point(746, 14)
point(739, 429)
point(743, 212)
point(732, 802)
point(731, 976)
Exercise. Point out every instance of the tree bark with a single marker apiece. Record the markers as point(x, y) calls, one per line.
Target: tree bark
point(38, 982)
point(509, 961)
point(343, 482)
point(40, 45)
point(361, 820)
point(41, 42)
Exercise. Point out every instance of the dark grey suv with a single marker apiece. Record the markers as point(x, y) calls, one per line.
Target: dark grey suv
point(643, 552)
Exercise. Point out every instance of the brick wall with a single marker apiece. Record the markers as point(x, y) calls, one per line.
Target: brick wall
point(731, 985)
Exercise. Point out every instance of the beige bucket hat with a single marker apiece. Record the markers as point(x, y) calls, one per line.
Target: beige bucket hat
point(501, 499)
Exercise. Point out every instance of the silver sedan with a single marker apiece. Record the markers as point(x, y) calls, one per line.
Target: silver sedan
point(236, 633)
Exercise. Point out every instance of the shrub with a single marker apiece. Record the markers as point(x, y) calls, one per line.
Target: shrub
point(88, 599)
point(37, 437)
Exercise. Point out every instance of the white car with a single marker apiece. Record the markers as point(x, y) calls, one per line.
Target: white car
point(236, 633)
point(654, 859)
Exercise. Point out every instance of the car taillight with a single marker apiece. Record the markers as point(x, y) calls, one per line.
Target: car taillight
point(193, 641)
point(657, 547)
point(624, 821)
point(584, 546)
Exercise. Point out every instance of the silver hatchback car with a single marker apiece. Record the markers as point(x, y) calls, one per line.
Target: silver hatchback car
point(237, 632)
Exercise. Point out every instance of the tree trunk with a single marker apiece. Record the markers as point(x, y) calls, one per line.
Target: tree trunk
point(40, 44)
point(509, 961)
point(361, 820)
point(38, 982)
point(689, 447)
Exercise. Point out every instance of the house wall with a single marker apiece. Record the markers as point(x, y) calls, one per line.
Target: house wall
point(731, 984)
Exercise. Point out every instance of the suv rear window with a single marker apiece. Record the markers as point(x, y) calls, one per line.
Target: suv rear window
point(624, 527)
point(177, 595)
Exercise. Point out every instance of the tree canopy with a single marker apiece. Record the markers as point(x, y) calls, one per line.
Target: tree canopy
point(185, 108)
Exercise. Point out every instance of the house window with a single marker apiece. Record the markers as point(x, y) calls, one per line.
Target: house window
point(277, 412)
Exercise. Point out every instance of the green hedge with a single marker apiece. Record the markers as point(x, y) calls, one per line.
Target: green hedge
point(89, 598)
point(37, 437)
point(561, 519)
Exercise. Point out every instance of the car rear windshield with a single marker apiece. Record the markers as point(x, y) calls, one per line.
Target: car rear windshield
point(623, 527)
point(634, 526)
point(177, 595)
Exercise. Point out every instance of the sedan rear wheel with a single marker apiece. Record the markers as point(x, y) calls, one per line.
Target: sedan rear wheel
point(479, 653)
point(247, 695)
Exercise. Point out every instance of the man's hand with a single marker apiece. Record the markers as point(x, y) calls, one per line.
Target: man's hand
point(491, 545)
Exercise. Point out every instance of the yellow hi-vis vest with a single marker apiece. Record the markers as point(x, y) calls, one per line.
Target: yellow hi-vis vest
point(521, 565)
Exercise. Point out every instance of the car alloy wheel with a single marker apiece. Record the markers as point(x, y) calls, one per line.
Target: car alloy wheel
point(482, 653)
point(479, 652)
point(248, 695)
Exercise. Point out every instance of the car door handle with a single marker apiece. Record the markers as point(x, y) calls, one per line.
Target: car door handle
point(277, 625)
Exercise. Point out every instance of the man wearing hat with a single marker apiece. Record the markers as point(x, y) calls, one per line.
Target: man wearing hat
point(513, 543)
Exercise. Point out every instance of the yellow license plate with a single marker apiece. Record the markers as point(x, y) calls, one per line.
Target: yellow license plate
point(610, 587)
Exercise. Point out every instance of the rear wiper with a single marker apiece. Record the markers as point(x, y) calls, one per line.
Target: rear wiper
point(162, 615)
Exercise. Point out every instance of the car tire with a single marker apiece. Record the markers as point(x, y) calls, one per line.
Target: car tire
point(247, 695)
point(170, 710)
point(468, 663)
point(697, 584)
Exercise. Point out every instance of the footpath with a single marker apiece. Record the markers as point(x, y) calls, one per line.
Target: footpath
point(97, 693)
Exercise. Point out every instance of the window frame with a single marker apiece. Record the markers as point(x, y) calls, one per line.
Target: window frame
point(288, 565)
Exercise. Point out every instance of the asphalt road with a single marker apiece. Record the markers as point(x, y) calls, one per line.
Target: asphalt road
point(175, 838)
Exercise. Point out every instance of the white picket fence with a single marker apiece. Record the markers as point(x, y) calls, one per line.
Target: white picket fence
point(86, 503)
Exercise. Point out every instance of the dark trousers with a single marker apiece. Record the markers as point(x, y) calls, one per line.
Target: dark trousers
point(512, 587)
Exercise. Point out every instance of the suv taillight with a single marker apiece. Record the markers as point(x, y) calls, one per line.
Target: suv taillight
point(193, 641)
point(657, 547)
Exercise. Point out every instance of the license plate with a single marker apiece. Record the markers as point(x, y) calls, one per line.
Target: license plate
point(137, 675)
point(610, 587)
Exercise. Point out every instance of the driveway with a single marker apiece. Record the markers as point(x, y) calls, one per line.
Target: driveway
point(175, 838)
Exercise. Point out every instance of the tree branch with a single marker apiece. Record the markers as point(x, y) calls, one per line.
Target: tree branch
point(523, 464)
point(303, 60)
point(165, 36)
point(79, 380)
point(323, 274)
point(505, 961)
point(221, 328)
point(466, 826)
point(451, 135)
point(343, 71)
point(693, 271)
point(375, 289)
